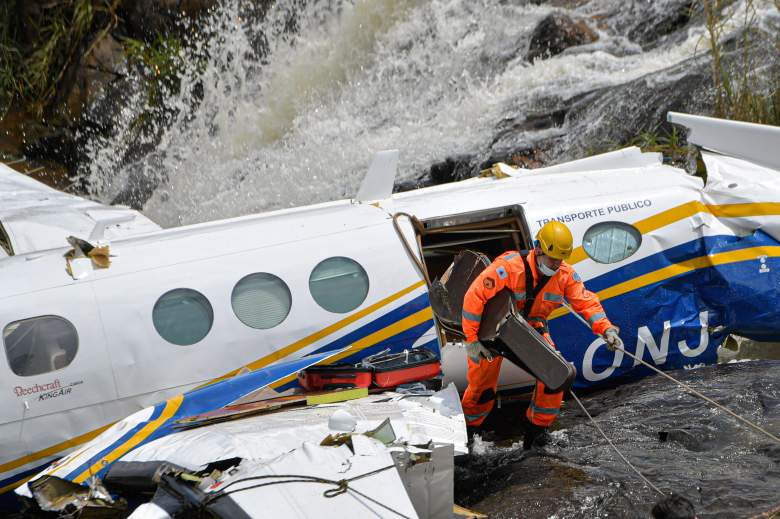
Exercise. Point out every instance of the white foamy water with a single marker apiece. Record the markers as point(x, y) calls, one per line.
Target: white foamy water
point(431, 78)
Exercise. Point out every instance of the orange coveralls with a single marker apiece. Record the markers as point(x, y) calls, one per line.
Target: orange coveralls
point(508, 270)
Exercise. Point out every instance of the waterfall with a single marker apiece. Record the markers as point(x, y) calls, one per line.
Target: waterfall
point(336, 80)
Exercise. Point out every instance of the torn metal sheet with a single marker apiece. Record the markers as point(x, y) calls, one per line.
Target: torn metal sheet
point(37, 217)
point(415, 421)
point(158, 421)
point(54, 494)
point(428, 480)
point(315, 481)
point(84, 257)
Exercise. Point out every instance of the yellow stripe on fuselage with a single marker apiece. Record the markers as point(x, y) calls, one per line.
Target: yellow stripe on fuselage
point(174, 403)
point(645, 226)
point(370, 340)
point(677, 269)
point(171, 406)
point(688, 209)
point(264, 361)
point(15, 484)
point(51, 451)
point(311, 339)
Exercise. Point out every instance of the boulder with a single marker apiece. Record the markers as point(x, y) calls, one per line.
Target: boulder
point(641, 105)
point(97, 69)
point(648, 24)
point(144, 19)
point(452, 168)
point(556, 33)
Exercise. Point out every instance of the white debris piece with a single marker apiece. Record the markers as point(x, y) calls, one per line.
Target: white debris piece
point(373, 488)
point(415, 419)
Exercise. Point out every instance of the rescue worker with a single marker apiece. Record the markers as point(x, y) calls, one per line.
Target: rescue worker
point(540, 281)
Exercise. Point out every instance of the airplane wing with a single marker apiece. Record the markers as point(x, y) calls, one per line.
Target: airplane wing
point(35, 217)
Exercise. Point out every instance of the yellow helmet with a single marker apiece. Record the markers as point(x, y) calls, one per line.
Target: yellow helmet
point(555, 240)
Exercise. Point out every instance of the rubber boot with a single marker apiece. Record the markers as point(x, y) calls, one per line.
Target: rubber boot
point(535, 436)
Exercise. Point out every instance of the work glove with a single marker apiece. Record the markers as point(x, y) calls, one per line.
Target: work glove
point(475, 349)
point(612, 339)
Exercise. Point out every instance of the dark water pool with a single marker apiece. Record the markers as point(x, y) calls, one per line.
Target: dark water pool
point(678, 442)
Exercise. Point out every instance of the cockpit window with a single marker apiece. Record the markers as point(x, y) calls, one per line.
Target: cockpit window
point(40, 344)
point(610, 242)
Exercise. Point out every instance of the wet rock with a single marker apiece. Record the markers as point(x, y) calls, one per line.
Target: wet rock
point(57, 145)
point(105, 64)
point(528, 140)
point(641, 105)
point(501, 484)
point(146, 18)
point(582, 477)
point(556, 33)
point(452, 168)
point(681, 436)
point(525, 140)
point(143, 178)
point(647, 23)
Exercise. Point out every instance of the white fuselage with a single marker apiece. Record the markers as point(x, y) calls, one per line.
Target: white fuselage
point(123, 364)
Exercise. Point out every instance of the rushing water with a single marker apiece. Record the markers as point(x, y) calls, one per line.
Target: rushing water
point(677, 441)
point(296, 118)
point(289, 110)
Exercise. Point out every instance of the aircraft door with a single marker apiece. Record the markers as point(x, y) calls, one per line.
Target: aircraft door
point(54, 354)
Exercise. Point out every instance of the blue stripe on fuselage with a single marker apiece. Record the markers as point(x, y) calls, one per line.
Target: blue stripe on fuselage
point(21, 475)
point(397, 343)
point(125, 437)
point(415, 305)
point(739, 297)
point(664, 258)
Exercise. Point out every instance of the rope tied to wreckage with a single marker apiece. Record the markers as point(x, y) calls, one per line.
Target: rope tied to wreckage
point(342, 486)
point(614, 447)
point(685, 386)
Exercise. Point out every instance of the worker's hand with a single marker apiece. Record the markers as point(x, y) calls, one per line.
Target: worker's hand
point(612, 339)
point(475, 349)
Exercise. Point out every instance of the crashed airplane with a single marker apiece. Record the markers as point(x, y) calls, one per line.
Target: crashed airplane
point(104, 314)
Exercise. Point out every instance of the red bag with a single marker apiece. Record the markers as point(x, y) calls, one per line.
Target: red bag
point(335, 376)
point(401, 368)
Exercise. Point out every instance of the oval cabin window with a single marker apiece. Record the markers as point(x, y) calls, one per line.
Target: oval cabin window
point(40, 345)
point(183, 316)
point(261, 300)
point(338, 284)
point(610, 242)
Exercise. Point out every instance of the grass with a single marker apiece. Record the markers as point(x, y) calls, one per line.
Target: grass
point(739, 94)
point(38, 46)
point(159, 63)
point(670, 144)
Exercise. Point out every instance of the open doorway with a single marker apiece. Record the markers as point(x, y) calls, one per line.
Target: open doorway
point(491, 232)
point(485, 234)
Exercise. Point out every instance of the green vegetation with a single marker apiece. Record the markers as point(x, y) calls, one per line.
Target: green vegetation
point(674, 149)
point(39, 42)
point(159, 64)
point(738, 92)
point(670, 144)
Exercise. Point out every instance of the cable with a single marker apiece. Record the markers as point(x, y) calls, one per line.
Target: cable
point(614, 447)
point(684, 385)
point(342, 486)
